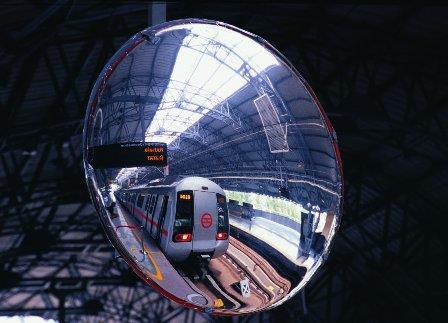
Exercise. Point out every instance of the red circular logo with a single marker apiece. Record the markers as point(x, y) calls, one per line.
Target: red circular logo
point(206, 220)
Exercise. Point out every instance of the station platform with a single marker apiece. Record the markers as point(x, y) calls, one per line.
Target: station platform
point(282, 238)
point(152, 261)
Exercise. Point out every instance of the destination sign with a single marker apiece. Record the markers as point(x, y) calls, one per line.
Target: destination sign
point(185, 196)
point(130, 154)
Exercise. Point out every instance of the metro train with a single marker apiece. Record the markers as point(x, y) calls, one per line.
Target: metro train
point(245, 211)
point(186, 217)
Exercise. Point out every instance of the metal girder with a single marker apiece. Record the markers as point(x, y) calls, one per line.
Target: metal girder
point(18, 94)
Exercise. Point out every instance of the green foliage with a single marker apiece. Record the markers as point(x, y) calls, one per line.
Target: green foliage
point(268, 203)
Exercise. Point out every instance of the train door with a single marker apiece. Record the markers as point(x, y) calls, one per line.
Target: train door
point(145, 208)
point(132, 203)
point(139, 206)
point(146, 203)
point(150, 212)
point(205, 221)
point(162, 218)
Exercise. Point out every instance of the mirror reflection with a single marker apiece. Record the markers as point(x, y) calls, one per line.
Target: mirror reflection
point(212, 166)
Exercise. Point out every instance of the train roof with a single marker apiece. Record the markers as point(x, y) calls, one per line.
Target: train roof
point(198, 184)
point(194, 183)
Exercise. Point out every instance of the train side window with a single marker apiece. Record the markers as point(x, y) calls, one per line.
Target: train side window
point(140, 199)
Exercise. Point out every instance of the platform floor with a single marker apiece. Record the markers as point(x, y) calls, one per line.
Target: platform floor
point(152, 261)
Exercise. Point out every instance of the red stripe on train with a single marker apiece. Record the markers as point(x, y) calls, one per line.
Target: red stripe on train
point(141, 214)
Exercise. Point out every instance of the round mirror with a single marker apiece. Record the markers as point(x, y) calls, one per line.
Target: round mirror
point(213, 168)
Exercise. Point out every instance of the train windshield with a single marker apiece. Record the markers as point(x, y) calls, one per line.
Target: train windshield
point(223, 218)
point(183, 221)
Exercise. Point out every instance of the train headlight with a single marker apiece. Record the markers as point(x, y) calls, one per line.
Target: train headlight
point(222, 236)
point(183, 237)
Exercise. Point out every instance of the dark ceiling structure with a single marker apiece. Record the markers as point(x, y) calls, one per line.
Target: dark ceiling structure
point(381, 74)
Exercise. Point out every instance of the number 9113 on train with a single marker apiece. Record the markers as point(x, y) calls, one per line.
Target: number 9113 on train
point(187, 218)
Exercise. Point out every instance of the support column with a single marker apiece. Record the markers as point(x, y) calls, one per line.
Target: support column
point(156, 13)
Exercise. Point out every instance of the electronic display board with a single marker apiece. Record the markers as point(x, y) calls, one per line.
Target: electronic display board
point(185, 196)
point(129, 154)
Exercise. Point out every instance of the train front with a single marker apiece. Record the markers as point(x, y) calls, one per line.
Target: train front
point(201, 223)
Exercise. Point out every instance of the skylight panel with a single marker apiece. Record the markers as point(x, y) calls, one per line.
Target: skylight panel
point(189, 60)
point(203, 71)
point(234, 84)
point(205, 76)
point(275, 134)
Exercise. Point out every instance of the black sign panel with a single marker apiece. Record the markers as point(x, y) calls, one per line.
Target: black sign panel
point(130, 154)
